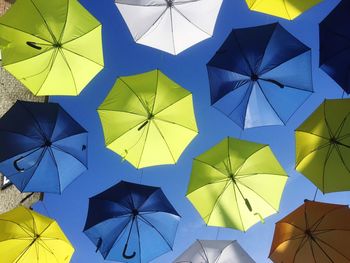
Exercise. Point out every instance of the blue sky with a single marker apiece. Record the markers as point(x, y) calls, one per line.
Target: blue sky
point(124, 57)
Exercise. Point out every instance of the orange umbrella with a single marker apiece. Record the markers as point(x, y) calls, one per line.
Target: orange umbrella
point(314, 232)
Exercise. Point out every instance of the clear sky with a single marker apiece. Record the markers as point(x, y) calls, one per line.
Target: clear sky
point(124, 57)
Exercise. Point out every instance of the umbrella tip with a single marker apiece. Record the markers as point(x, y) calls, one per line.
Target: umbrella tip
point(306, 200)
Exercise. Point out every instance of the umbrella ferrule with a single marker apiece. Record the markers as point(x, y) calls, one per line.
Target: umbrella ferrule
point(170, 3)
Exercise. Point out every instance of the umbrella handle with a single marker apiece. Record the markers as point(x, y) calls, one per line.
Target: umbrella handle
point(15, 164)
point(128, 256)
point(248, 204)
point(33, 45)
point(143, 125)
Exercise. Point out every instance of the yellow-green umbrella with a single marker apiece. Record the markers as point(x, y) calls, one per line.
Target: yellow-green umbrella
point(236, 184)
point(288, 9)
point(323, 146)
point(29, 237)
point(53, 47)
point(148, 119)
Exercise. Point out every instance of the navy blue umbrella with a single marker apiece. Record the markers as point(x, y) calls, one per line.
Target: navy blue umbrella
point(42, 149)
point(131, 223)
point(335, 45)
point(260, 76)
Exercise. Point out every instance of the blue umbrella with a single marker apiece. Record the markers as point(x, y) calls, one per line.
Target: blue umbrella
point(260, 76)
point(42, 149)
point(335, 45)
point(131, 223)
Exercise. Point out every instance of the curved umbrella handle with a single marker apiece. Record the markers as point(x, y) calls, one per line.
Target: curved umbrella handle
point(128, 256)
point(15, 164)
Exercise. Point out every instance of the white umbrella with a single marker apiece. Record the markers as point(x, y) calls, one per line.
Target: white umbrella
point(214, 251)
point(170, 25)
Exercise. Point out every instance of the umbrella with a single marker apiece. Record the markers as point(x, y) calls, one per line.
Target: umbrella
point(148, 119)
point(214, 251)
point(42, 149)
point(42, 41)
point(26, 236)
point(288, 9)
point(314, 232)
point(131, 222)
point(170, 25)
point(236, 184)
point(323, 146)
point(260, 76)
point(334, 45)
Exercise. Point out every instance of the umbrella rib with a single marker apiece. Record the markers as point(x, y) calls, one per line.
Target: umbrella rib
point(312, 250)
point(327, 244)
point(217, 260)
point(151, 225)
point(148, 197)
point(156, 93)
point(326, 122)
point(65, 23)
point(172, 29)
point(45, 22)
point(238, 181)
point(92, 29)
point(314, 150)
point(324, 252)
point(329, 152)
point(166, 143)
point(80, 55)
point(61, 150)
point(174, 123)
point(254, 174)
point(217, 200)
point(58, 174)
point(210, 35)
point(299, 247)
point(285, 6)
point(205, 253)
point(50, 66)
point(15, 28)
point(308, 132)
point(37, 126)
point(27, 231)
point(239, 211)
point(248, 90)
point(123, 111)
point(151, 26)
point(179, 100)
point(141, 101)
point(241, 52)
point(70, 70)
point(71, 135)
point(212, 166)
point(342, 158)
point(144, 144)
point(341, 126)
point(251, 155)
point(268, 101)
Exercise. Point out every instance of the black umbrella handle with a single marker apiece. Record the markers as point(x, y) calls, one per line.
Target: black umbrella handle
point(15, 164)
point(33, 45)
point(128, 256)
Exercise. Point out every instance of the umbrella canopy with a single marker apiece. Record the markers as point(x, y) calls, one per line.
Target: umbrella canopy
point(260, 76)
point(335, 45)
point(323, 146)
point(214, 251)
point(148, 119)
point(26, 236)
point(42, 149)
point(131, 222)
point(170, 25)
point(41, 41)
point(288, 9)
point(314, 232)
point(236, 184)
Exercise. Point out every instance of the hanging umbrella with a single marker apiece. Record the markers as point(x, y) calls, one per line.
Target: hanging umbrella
point(131, 223)
point(42, 149)
point(314, 232)
point(214, 251)
point(42, 41)
point(170, 25)
point(323, 146)
point(260, 76)
point(335, 45)
point(236, 184)
point(26, 236)
point(148, 119)
point(288, 9)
